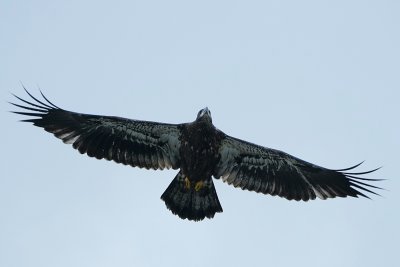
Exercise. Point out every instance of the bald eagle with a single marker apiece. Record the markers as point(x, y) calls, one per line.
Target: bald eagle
point(200, 151)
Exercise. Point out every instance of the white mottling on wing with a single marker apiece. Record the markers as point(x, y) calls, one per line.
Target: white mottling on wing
point(71, 140)
point(318, 194)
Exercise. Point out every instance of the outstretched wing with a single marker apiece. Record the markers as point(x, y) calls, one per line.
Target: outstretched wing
point(256, 168)
point(130, 142)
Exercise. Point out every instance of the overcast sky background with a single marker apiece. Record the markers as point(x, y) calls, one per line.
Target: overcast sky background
point(317, 79)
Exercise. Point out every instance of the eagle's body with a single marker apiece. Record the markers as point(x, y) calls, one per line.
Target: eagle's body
point(200, 142)
point(201, 152)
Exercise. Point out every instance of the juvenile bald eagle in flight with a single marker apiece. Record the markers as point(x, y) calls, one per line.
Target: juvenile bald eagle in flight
point(200, 151)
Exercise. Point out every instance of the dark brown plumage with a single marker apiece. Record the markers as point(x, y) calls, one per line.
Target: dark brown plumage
point(201, 152)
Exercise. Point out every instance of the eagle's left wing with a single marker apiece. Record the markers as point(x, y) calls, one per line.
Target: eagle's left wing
point(269, 171)
point(131, 142)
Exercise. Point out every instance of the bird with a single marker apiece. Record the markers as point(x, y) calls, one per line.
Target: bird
point(201, 152)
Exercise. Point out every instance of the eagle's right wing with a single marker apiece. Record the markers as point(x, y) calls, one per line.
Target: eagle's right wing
point(131, 142)
point(269, 171)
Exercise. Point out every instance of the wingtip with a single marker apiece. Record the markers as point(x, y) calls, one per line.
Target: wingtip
point(350, 168)
point(22, 84)
point(48, 101)
point(359, 173)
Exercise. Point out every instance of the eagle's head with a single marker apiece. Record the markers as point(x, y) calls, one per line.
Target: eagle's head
point(204, 114)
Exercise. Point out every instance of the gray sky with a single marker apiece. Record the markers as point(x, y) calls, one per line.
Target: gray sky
point(316, 79)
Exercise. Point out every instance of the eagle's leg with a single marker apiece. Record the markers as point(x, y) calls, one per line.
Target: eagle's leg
point(198, 186)
point(187, 183)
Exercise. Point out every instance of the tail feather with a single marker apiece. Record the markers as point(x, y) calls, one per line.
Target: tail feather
point(189, 203)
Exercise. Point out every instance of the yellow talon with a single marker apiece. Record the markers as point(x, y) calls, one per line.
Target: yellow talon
point(187, 183)
point(199, 185)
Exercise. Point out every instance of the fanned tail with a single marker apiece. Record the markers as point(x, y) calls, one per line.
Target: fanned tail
point(191, 202)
